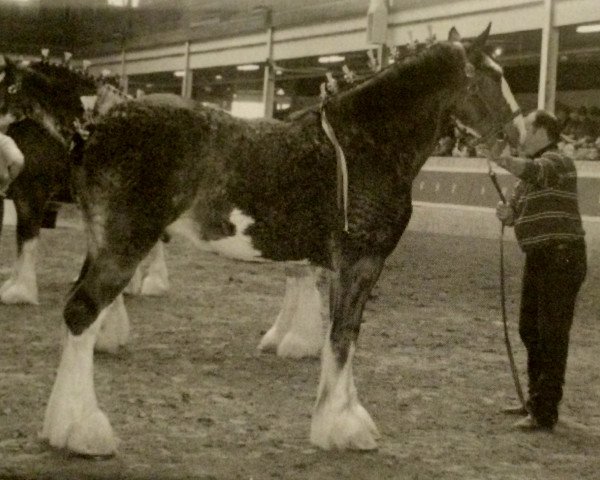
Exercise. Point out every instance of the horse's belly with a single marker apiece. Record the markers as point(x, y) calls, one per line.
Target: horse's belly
point(237, 246)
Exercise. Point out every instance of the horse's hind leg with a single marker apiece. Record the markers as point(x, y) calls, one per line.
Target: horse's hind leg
point(22, 287)
point(339, 420)
point(114, 327)
point(73, 419)
point(156, 281)
point(298, 329)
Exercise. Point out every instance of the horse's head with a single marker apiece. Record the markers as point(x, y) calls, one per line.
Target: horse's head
point(11, 105)
point(488, 108)
point(50, 94)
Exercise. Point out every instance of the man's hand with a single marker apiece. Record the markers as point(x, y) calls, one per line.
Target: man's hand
point(505, 213)
point(496, 151)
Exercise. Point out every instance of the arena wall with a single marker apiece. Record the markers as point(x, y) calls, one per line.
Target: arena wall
point(453, 196)
point(456, 196)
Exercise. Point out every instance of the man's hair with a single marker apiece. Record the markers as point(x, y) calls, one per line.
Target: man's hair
point(549, 123)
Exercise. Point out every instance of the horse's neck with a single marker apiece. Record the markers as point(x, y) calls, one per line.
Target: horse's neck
point(54, 109)
point(61, 129)
point(408, 134)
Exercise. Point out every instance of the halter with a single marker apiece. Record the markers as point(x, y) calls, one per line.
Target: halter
point(494, 131)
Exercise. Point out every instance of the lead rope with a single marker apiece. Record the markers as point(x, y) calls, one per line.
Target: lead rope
point(341, 165)
point(342, 169)
point(509, 351)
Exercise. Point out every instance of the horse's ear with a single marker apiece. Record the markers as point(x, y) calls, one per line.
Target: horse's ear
point(481, 40)
point(453, 35)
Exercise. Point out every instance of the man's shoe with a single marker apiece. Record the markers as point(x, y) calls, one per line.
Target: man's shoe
point(530, 424)
point(516, 410)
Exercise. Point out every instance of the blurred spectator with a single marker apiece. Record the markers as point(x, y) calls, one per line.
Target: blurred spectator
point(562, 113)
point(580, 136)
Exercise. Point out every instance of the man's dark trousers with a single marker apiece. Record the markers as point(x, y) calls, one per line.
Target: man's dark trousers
point(552, 278)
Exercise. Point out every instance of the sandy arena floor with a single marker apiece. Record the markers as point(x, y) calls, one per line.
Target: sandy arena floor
point(192, 398)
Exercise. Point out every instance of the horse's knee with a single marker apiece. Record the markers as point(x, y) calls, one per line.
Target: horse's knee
point(81, 311)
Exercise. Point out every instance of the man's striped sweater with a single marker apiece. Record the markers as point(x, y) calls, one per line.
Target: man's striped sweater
point(545, 202)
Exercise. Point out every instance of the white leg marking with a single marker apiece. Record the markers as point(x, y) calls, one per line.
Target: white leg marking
point(306, 333)
point(21, 287)
point(134, 287)
point(156, 282)
point(518, 121)
point(271, 340)
point(237, 246)
point(114, 327)
point(73, 419)
point(339, 420)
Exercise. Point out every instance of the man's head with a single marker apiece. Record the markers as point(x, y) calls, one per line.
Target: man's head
point(543, 130)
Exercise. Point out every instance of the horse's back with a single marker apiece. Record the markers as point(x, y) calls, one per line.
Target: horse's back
point(168, 99)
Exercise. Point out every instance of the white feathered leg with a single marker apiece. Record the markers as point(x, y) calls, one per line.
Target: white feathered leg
point(298, 329)
point(339, 420)
point(22, 287)
point(114, 327)
point(156, 281)
point(306, 332)
point(134, 287)
point(271, 340)
point(73, 419)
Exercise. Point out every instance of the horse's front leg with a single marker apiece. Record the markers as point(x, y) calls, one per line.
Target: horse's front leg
point(22, 286)
point(298, 329)
point(339, 420)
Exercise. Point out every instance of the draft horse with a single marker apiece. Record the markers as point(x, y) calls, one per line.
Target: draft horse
point(266, 190)
point(44, 138)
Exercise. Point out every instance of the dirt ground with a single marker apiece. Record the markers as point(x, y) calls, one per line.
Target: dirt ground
point(191, 397)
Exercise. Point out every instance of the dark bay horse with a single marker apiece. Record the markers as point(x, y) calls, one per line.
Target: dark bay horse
point(46, 173)
point(265, 191)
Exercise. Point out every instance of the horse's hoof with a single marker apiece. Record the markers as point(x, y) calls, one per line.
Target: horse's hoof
point(294, 346)
point(154, 287)
point(6, 285)
point(350, 428)
point(270, 341)
point(16, 294)
point(94, 438)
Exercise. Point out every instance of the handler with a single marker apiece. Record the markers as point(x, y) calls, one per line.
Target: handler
point(544, 211)
point(11, 162)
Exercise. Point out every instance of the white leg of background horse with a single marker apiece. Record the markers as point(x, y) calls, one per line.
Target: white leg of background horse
point(73, 419)
point(298, 328)
point(339, 420)
point(156, 281)
point(113, 327)
point(22, 287)
point(134, 287)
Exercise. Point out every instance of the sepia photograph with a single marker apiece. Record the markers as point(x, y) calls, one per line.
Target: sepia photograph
point(299, 239)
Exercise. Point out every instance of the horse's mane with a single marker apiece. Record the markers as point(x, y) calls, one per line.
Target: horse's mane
point(409, 61)
point(416, 73)
point(52, 88)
